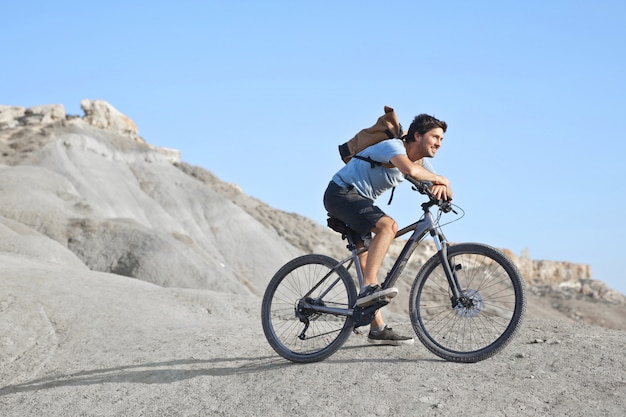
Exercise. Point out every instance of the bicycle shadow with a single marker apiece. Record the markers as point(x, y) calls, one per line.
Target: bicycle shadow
point(167, 372)
point(152, 373)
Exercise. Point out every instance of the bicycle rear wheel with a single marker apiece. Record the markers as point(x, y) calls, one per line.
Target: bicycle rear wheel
point(489, 313)
point(306, 335)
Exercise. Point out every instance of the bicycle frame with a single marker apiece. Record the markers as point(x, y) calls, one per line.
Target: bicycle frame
point(426, 225)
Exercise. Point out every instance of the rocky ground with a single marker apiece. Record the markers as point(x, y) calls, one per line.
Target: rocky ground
point(102, 345)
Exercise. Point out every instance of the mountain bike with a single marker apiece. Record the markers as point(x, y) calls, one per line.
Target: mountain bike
point(466, 302)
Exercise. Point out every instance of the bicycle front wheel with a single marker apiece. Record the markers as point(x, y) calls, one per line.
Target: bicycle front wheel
point(488, 313)
point(302, 334)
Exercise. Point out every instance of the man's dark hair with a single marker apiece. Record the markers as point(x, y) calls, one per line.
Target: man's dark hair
point(422, 124)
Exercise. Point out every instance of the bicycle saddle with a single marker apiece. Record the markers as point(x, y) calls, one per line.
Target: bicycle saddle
point(338, 226)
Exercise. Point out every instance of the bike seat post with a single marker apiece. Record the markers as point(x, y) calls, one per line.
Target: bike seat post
point(355, 258)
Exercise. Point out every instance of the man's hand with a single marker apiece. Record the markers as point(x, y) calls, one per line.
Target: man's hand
point(441, 192)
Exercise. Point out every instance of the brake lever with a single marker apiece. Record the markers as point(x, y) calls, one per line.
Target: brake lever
point(446, 207)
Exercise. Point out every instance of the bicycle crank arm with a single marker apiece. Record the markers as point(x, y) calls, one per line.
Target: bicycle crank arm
point(364, 315)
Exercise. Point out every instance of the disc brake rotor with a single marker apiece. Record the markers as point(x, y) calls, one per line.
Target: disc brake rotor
point(470, 304)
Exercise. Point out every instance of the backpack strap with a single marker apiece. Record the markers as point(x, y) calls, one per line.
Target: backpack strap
point(393, 190)
point(373, 163)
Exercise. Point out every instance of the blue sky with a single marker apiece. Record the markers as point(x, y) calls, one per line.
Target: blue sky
point(261, 94)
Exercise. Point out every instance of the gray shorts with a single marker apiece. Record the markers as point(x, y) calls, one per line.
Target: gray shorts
point(358, 212)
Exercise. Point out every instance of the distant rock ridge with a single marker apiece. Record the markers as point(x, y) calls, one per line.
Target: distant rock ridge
point(98, 113)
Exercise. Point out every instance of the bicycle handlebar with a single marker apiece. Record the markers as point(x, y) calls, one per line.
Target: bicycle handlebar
point(424, 188)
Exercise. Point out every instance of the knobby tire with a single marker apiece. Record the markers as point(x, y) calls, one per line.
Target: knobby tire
point(487, 322)
point(283, 322)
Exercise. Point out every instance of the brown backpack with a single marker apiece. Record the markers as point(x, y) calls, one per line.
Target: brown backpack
point(387, 127)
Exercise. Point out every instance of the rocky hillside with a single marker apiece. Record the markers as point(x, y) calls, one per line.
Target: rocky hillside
point(89, 192)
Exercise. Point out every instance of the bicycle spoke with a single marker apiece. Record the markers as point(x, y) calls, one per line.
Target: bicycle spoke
point(484, 317)
point(292, 325)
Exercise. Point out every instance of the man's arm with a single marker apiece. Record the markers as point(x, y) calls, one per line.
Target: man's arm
point(441, 185)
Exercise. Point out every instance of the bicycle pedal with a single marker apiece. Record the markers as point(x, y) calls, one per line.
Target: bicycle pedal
point(383, 301)
point(380, 302)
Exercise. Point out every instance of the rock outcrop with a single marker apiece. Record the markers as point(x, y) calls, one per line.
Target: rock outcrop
point(98, 113)
point(101, 114)
point(14, 116)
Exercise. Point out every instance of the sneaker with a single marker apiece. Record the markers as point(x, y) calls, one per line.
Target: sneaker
point(388, 337)
point(374, 294)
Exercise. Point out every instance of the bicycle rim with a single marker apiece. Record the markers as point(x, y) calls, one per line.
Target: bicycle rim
point(490, 314)
point(284, 319)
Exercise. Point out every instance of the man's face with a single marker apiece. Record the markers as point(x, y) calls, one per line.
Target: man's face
point(429, 143)
point(426, 145)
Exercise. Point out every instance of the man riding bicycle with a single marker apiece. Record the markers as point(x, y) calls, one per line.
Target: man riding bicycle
point(351, 194)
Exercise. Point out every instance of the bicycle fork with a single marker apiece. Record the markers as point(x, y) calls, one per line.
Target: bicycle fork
point(449, 269)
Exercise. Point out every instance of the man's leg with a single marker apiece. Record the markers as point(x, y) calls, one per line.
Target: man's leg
point(384, 233)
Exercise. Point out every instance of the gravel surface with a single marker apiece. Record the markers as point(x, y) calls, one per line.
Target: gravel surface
point(83, 343)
